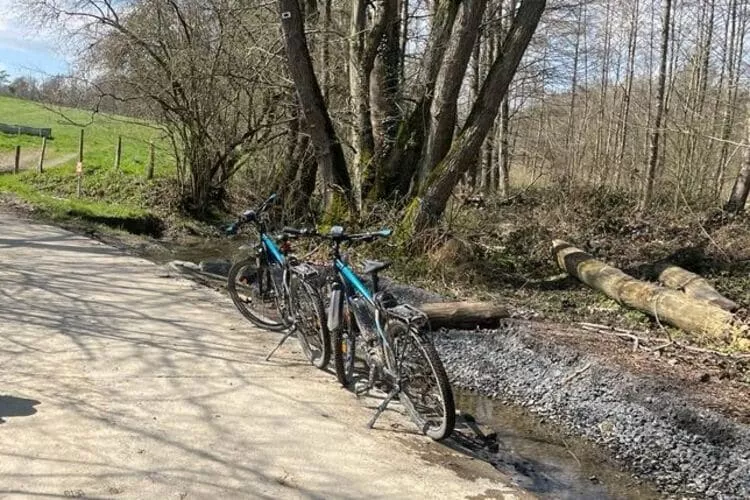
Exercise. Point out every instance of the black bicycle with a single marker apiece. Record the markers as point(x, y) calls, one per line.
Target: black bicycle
point(392, 339)
point(276, 291)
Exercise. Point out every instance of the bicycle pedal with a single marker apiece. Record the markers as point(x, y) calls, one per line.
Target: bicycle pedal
point(361, 388)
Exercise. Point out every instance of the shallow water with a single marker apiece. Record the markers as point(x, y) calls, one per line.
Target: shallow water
point(537, 456)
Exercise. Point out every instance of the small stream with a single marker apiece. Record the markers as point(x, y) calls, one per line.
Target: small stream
point(538, 457)
point(532, 452)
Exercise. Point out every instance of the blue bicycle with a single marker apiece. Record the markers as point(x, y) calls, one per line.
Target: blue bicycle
point(276, 292)
point(391, 338)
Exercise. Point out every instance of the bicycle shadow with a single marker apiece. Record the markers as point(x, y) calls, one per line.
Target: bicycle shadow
point(12, 406)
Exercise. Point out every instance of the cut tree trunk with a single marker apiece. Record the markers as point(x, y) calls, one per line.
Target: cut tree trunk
point(666, 305)
point(464, 315)
point(693, 285)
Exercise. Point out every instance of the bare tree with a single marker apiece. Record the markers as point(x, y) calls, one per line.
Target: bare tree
point(186, 60)
point(653, 158)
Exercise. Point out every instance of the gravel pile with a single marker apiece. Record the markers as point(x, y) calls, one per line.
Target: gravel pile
point(644, 423)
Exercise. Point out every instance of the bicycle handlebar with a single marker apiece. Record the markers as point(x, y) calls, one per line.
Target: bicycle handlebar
point(337, 234)
point(250, 215)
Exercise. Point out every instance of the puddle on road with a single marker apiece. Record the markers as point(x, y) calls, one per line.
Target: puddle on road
point(536, 456)
point(195, 251)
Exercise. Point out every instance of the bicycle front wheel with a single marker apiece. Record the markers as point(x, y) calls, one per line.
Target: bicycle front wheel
point(310, 321)
point(255, 289)
point(425, 391)
point(345, 350)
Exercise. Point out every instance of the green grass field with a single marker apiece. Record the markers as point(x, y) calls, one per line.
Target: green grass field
point(107, 192)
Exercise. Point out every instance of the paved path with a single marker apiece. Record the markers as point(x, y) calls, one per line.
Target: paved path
point(119, 382)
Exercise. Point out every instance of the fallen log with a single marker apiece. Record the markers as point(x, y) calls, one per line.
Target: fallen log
point(464, 315)
point(693, 285)
point(664, 304)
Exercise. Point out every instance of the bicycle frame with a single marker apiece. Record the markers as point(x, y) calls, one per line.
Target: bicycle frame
point(353, 280)
point(271, 248)
point(353, 285)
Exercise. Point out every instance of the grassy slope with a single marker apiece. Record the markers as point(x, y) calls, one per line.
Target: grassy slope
point(106, 192)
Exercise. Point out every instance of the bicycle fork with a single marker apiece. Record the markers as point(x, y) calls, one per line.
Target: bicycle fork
point(293, 327)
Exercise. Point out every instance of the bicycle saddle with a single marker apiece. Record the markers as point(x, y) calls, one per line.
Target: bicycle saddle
point(375, 266)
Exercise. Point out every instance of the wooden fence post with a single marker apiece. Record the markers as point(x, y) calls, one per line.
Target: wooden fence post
point(150, 166)
point(80, 148)
point(41, 158)
point(17, 161)
point(118, 152)
point(79, 166)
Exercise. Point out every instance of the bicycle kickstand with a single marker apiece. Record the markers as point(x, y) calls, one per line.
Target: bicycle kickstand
point(281, 342)
point(383, 406)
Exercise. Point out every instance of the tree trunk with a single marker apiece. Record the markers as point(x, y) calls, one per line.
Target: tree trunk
point(736, 45)
point(476, 81)
point(326, 56)
point(487, 153)
point(329, 154)
point(444, 108)
point(427, 209)
point(305, 182)
point(359, 90)
point(601, 132)
point(503, 181)
point(385, 90)
point(290, 165)
point(667, 306)
point(648, 188)
point(741, 188)
point(567, 174)
point(404, 40)
point(397, 171)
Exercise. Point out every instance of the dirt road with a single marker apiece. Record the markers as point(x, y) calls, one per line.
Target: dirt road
point(119, 382)
point(30, 160)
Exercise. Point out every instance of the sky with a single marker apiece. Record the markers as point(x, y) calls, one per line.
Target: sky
point(25, 50)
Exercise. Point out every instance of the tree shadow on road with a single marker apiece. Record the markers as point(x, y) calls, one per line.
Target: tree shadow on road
point(12, 406)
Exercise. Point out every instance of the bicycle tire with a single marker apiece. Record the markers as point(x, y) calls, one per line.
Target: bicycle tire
point(258, 315)
point(436, 428)
point(344, 350)
point(310, 320)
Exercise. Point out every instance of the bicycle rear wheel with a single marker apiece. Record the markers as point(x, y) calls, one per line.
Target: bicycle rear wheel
point(310, 320)
point(255, 289)
point(425, 391)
